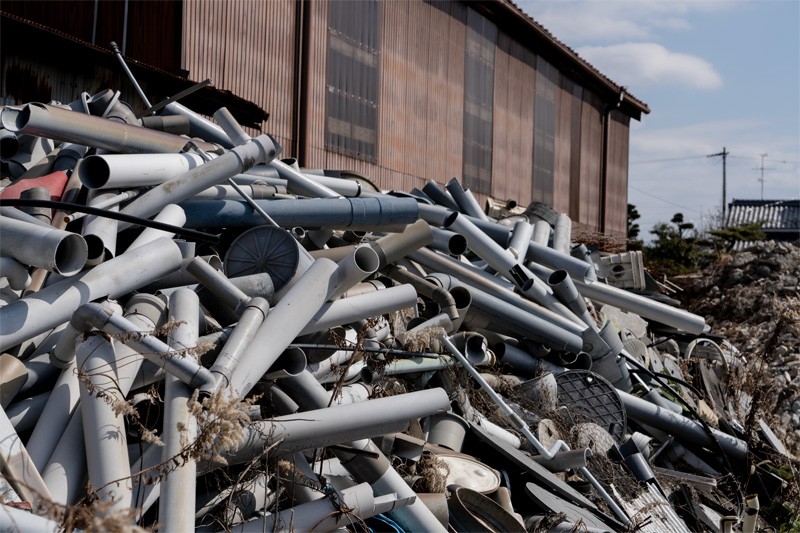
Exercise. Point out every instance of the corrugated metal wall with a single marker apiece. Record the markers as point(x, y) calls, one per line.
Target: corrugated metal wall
point(616, 222)
point(246, 47)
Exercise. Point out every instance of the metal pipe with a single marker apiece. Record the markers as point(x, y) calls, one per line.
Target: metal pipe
point(114, 171)
point(299, 183)
point(15, 273)
point(240, 158)
point(63, 125)
point(54, 250)
point(104, 432)
point(176, 504)
point(38, 312)
point(684, 428)
point(313, 213)
point(347, 310)
point(199, 126)
point(562, 234)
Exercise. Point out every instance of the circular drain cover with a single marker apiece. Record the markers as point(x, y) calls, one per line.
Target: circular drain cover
point(264, 249)
point(591, 398)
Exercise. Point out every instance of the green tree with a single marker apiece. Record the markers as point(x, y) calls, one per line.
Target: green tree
point(675, 250)
point(633, 229)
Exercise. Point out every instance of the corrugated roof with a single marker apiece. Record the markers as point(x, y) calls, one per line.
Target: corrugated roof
point(775, 215)
point(630, 103)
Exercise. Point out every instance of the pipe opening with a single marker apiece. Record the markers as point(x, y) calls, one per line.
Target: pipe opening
point(366, 259)
point(449, 220)
point(528, 285)
point(15, 119)
point(94, 172)
point(457, 245)
point(9, 146)
point(95, 249)
point(71, 254)
point(557, 277)
point(461, 296)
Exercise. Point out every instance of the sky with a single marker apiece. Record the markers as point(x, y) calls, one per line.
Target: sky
point(722, 73)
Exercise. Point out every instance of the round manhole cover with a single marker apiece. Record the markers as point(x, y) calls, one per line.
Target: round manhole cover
point(591, 398)
point(264, 249)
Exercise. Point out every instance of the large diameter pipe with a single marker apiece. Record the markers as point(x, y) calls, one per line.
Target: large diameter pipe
point(54, 250)
point(683, 428)
point(176, 505)
point(63, 125)
point(465, 201)
point(113, 171)
point(644, 307)
point(439, 196)
point(336, 213)
point(104, 432)
point(41, 311)
point(261, 149)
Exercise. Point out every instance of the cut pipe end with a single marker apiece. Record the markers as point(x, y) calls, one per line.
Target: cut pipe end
point(71, 255)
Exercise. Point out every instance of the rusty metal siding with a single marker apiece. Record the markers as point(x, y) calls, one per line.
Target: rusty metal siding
point(616, 209)
point(513, 131)
point(591, 152)
point(246, 47)
point(563, 152)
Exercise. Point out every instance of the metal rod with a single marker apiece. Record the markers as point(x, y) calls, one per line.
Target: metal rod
point(124, 65)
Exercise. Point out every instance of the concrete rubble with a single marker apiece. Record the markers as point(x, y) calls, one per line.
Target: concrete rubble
point(197, 334)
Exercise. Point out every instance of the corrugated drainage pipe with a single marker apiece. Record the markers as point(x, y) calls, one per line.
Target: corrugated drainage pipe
point(54, 250)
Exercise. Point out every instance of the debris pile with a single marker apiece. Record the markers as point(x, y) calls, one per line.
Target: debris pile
point(197, 334)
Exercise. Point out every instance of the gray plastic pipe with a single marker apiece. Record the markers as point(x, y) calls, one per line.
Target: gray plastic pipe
point(253, 315)
point(541, 233)
point(256, 191)
point(115, 171)
point(174, 124)
point(680, 426)
point(353, 269)
point(65, 473)
point(324, 515)
point(232, 129)
point(299, 183)
point(284, 322)
point(395, 246)
point(104, 432)
point(261, 149)
point(199, 126)
point(521, 234)
point(448, 242)
point(54, 250)
point(438, 294)
point(372, 467)
point(100, 233)
point(15, 273)
point(14, 519)
point(342, 213)
point(17, 466)
point(25, 412)
point(439, 196)
point(87, 130)
point(218, 284)
point(41, 311)
point(176, 506)
point(110, 202)
point(565, 290)
point(562, 234)
point(523, 428)
point(341, 186)
point(347, 310)
point(464, 200)
point(644, 307)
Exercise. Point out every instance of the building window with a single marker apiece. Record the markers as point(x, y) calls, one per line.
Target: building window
point(351, 125)
point(544, 135)
point(478, 102)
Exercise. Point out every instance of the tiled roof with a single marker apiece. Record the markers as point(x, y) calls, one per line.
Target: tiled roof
point(775, 215)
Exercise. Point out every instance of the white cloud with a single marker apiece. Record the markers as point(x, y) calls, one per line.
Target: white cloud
point(643, 64)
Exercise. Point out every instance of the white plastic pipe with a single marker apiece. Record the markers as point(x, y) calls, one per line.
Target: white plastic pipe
point(353, 269)
point(16, 274)
point(54, 305)
point(100, 232)
point(104, 432)
point(562, 234)
point(16, 464)
point(541, 232)
point(171, 214)
point(114, 171)
point(299, 183)
point(65, 473)
point(54, 250)
point(13, 519)
point(176, 506)
point(521, 234)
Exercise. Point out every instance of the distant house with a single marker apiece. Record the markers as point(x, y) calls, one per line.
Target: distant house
point(780, 219)
point(400, 91)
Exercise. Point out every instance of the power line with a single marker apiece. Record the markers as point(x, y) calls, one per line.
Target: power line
point(782, 161)
point(667, 159)
point(665, 201)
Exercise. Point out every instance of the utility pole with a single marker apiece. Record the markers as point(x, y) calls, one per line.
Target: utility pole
point(761, 179)
point(724, 154)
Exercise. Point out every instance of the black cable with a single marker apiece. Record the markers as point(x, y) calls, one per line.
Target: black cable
point(667, 376)
point(66, 206)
